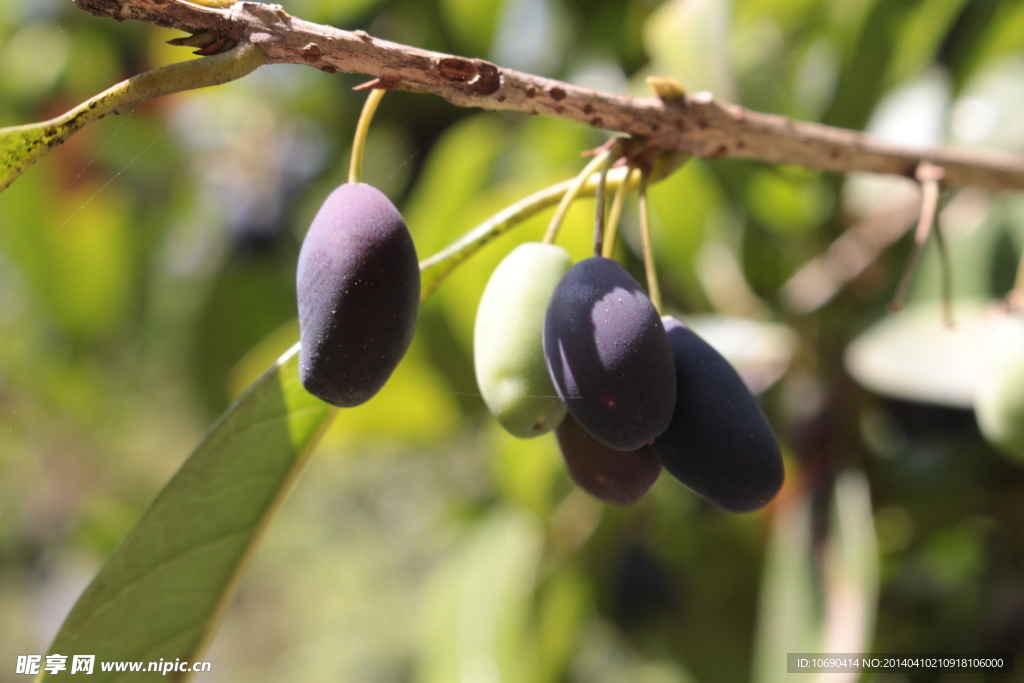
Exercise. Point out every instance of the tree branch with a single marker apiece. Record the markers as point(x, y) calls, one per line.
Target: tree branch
point(698, 124)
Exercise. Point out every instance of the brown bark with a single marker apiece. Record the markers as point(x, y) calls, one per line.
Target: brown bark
point(698, 124)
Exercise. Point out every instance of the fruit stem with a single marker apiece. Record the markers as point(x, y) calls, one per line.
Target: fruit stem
point(599, 198)
point(614, 215)
point(355, 169)
point(947, 276)
point(645, 238)
point(435, 268)
point(570, 196)
point(929, 176)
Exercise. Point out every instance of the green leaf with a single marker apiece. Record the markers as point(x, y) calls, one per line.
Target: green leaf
point(923, 33)
point(912, 355)
point(818, 601)
point(1003, 37)
point(789, 615)
point(681, 228)
point(688, 40)
point(163, 591)
point(788, 201)
point(562, 606)
point(472, 22)
point(525, 470)
point(34, 57)
point(458, 167)
point(850, 567)
point(479, 625)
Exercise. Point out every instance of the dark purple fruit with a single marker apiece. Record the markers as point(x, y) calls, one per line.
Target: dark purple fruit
point(358, 285)
point(719, 444)
point(610, 475)
point(608, 355)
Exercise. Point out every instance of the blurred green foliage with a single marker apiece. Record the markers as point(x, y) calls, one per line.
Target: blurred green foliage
point(147, 277)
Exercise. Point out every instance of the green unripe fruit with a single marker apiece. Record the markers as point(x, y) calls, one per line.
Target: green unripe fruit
point(508, 344)
point(999, 401)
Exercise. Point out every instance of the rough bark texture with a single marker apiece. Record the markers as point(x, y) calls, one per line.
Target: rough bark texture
point(698, 123)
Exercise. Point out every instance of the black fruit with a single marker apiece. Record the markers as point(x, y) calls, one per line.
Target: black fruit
point(608, 355)
point(719, 443)
point(358, 285)
point(613, 476)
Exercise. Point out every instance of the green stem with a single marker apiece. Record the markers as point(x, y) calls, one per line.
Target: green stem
point(648, 246)
point(570, 196)
point(599, 198)
point(947, 276)
point(355, 169)
point(925, 223)
point(614, 215)
point(436, 268)
point(21, 146)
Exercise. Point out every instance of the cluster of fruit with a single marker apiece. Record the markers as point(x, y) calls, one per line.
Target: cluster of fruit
point(582, 350)
point(578, 349)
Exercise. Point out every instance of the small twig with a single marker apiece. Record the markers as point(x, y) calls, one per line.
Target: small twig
point(21, 146)
point(929, 176)
point(198, 40)
point(818, 280)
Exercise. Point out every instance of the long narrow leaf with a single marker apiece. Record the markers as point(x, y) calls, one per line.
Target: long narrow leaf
point(790, 614)
point(163, 591)
point(850, 571)
point(819, 607)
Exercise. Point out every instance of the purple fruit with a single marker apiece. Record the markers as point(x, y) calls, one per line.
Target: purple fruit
point(719, 444)
point(613, 476)
point(358, 286)
point(608, 355)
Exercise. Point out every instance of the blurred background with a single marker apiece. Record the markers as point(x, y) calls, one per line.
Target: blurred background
point(147, 277)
